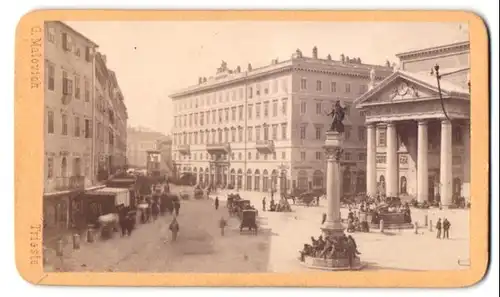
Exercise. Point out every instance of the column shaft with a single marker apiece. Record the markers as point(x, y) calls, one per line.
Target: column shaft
point(392, 161)
point(371, 163)
point(422, 163)
point(446, 165)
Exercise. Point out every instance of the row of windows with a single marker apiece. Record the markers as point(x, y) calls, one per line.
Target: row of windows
point(70, 85)
point(63, 167)
point(232, 95)
point(319, 133)
point(80, 128)
point(319, 156)
point(67, 43)
point(333, 86)
point(233, 114)
point(233, 134)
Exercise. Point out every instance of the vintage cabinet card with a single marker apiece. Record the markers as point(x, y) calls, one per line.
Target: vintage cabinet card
point(245, 148)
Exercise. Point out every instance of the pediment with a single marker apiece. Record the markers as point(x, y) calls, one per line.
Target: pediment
point(400, 90)
point(403, 86)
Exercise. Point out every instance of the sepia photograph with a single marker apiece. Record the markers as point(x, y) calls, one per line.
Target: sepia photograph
point(256, 146)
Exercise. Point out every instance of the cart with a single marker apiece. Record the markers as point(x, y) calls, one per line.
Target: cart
point(249, 220)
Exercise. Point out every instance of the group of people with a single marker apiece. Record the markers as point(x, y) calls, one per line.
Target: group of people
point(282, 205)
point(355, 224)
point(343, 247)
point(443, 229)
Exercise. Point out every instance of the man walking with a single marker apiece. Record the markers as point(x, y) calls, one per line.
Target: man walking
point(264, 204)
point(216, 203)
point(438, 228)
point(446, 229)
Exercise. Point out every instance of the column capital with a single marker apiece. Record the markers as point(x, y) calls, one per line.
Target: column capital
point(371, 125)
point(445, 122)
point(423, 122)
point(391, 124)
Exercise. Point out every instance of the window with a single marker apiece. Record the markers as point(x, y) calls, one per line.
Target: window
point(65, 42)
point(67, 84)
point(361, 133)
point(302, 156)
point(347, 132)
point(347, 156)
point(265, 157)
point(249, 156)
point(88, 54)
point(284, 131)
point(318, 156)
point(303, 84)
point(250, 107)
point(266, 109)
point(458, 135)
point(257, 110)
point(202, 118)
point(88, 128)
point(257, 133)
point(51, 76)
point(274, 155)
point(284, 106)
point(283, 155)
point(303, 132)
point(275, 108)
point(226, 114)
point(240, 134)
point(196, 119)
point(275, 132)
point(214, 117)
point(333, 87)
point(77, 87)
point(233, 135)
point(362, 157)
point(318, 108)
point(347, 88)
point(190, 119)
point(250, 133)
point(239, 156)
point(318, 133)
point(275, 86)
point(250, 92)
point(220, 115)
point(266, 132)
point(257, 90)
point(77, 127)
point(87, 90)
point(64, 124)
point(240, 113)
point(257, 156)
point(303, 107)
point(50, 167)
point(50, 122)
point(51, 35)
point(318, 85)
point(381, 138)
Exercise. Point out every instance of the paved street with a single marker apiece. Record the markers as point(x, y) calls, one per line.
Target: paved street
point(201, 248)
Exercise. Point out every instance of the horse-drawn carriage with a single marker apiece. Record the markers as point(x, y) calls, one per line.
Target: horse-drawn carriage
point(307, 198)
point(249, 220)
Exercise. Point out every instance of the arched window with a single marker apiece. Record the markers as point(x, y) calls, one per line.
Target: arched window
point(274, 180)
point(233, 177)
point(302, 180)
point(318, 179)
point(257, 180)
point(239, 179)
point(265, 181)
point(249, 180)
point(402, 189)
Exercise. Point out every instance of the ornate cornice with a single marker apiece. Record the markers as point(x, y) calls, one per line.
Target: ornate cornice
point(432, 51)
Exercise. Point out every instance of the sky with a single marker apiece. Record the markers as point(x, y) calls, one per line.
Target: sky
point(153, 59)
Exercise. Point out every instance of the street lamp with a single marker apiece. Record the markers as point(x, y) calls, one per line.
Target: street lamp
point(283, 168)
point(438, 78)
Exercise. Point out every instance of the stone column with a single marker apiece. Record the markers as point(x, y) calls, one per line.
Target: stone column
point(422, 162)
point(371, 162)
point(445, 164)
point(392, 161)
point(333, 146)
point(466, 162)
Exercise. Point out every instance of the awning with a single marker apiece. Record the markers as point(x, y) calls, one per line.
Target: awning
point(121, 195)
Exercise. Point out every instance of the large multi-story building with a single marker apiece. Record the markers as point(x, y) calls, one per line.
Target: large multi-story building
point(419, 130)
point(111, 121)
point(72, 110)
point(68, 141)
point(264, 128)
point(140, 140)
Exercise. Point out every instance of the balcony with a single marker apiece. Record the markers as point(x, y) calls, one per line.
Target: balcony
point(183, 148)
point(265, 146)
point(217, 148)
point(61, 184)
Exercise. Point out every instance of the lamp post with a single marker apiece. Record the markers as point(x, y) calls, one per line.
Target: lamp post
point(283, 168)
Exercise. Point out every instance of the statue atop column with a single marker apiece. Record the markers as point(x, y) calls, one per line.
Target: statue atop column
point(315, 52)
point(329, 57)
point(338, 115)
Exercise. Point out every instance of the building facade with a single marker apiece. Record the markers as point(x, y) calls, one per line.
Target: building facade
point(264, 128)
point(419, 131)
point(74, 96)
point(68, 140)
point(139, 141)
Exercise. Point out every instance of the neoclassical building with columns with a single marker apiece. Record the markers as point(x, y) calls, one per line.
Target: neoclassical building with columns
point(418, 129)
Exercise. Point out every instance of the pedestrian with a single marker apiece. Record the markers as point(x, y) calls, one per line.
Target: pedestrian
point(222, 225)
point(174, 228)
point(216, 203)
point(446, 228)
point(438, 228)
point(264, 204)
point(323, 220)
point(177, 206)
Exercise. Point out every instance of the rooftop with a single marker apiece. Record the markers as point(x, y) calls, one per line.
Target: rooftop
point(66, 26)
point(434, 49)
